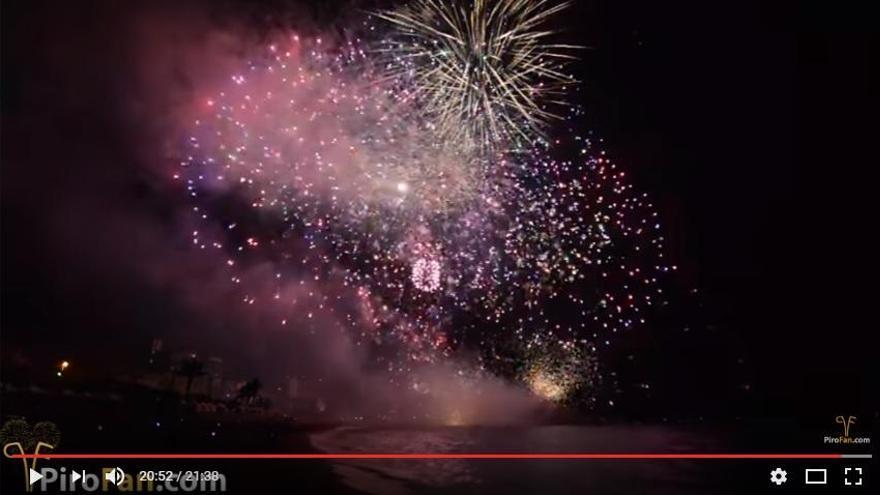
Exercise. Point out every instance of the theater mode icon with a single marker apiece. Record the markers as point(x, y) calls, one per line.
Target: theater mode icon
point(816, 476)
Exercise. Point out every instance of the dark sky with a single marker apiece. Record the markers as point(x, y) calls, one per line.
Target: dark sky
point(747, 122)
point(750, 122)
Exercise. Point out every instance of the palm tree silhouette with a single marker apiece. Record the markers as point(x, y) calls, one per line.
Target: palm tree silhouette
point(191, 368)
point(250, 390)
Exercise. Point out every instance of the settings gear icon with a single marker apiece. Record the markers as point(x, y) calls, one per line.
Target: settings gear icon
point(778, 476)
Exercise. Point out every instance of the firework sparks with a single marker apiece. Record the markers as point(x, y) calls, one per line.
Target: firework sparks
point(557, 371)
point(426, 274)
point(544, 385)
point(322, 170)
point(482, 70)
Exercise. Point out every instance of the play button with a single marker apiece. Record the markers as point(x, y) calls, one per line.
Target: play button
point(34, 476)
point(75, 477)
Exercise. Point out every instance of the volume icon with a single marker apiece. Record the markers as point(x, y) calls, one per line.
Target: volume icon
point(115, 476)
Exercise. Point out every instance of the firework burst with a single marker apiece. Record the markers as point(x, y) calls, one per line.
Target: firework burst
point(482, 70)
point(320, 172)
point(559, 371)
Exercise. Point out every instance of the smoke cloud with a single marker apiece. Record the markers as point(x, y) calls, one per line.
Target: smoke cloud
point(114, 219)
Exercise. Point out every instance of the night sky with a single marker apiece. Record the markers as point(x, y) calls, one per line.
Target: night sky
point(748, 123)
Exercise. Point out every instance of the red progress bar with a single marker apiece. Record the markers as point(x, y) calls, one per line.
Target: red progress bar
point(430, 456)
